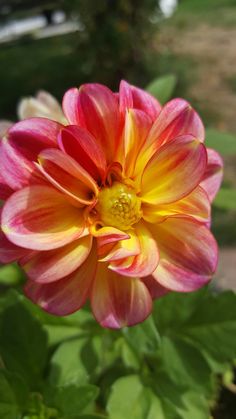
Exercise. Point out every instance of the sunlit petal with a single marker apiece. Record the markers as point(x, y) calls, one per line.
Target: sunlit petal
point(174, 171)
point(67, 295)
point(188, 254)
point(213, 175)
point(68, 176)
point(118, 301)
point(45, 267)
point(131, 97)
point(196, 205)
point(145, 262)
point(39, 218)
point(177, 118)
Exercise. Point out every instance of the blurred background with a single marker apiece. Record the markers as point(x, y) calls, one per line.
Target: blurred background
point(184, 48)
point(57, 44)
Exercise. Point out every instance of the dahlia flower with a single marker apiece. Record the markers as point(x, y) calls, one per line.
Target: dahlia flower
point(42, 105)
point(111, 206)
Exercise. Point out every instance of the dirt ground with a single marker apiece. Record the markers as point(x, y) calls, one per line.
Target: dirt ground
point(213, 50)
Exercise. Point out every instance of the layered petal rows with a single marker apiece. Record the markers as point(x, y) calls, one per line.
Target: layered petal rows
point(108, 202)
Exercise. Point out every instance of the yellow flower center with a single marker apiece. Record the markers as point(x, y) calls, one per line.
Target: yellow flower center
point(118, 206)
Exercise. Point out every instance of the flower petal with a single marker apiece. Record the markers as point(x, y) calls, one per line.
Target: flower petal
point(196, 205)
point(32, 135)
point(39, 218)
point(188, 254)
point(136, 128)
point(70, 105)
point(49, 266)
point(176, 119)
point(82, 146)
point(156, 290)
point(107, 235)
point(174, 171)
point(5, 189)
point(17, 170)
point(213, 174)
point(133, 97)
point(4, 126)
point(67, 295)
point(96, 109)
point(123, 248)
point(42, 105)
point(22, 145)
point(9, 252)
point(145, 262)
point(67, 176)
point(118, 301)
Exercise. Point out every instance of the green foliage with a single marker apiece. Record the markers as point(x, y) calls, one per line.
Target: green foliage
point(163, 87)
point(226, 199)
point(167, 367)
point(13, 395)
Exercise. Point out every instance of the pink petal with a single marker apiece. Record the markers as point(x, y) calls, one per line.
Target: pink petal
point(188, 254)
point(177, 118)
point(107, 235)
point(17, 170)
point(196, 205)
point(32, 135)
point(179, 167)
point(68, 176)
point(145, 262)
point(24, 142)
point(50, 266)
point(213, 175)
point(70, 105)
point(119, 301)
point(39, 218)
point(5, 189)
point(136, 128)
point(156, 290)
point(67, 295)
point(84, 148)
point(9, 252)
point(123, 248)
point(133, 97)
point(96, 109)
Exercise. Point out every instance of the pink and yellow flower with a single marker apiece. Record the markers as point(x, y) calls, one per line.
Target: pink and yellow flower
point(111, 207)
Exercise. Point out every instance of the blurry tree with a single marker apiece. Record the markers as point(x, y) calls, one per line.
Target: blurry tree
point(115, 39)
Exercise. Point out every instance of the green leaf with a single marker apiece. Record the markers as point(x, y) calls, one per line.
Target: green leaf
point(226, 199)
point(36, 408)
point(213, 326)
point(90, 417)
point(59, 333)
point(181, 404)
point(222, 142)
point(185, 365)
point(10, 275)
point(13, 395)
point(129, 355)
point(73, 399)
point(207, 320)
point(66, 365)
point(23, 343)
point(175, 309)
point(130, 399)
point(143, 338)
point(163, 87)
